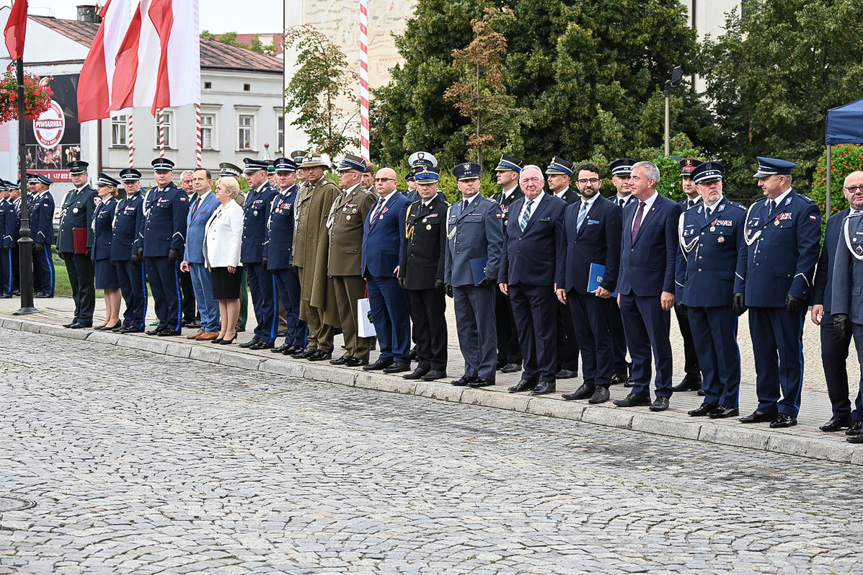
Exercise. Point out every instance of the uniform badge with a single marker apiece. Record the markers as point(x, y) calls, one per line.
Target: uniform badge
point(255, 213)
point(859, 250)
point(721, 239)
point(784, 216)
point(712, 228)
point(428, 226)
point(348, 217)
point(74, 210)
point(775, 222)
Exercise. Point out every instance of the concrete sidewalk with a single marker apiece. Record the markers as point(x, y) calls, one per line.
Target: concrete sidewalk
point(805, 439)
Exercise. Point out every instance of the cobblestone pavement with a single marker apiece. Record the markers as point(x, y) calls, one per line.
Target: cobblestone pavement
point(143, 463)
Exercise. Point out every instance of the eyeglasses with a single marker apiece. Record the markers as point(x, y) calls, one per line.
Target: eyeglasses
point(854, 189)
point(589, 181)
point(385, 180)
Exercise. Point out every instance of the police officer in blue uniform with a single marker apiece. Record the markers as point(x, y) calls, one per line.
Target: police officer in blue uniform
point(72, 240)
point(473, 254)
point(7, 223)
point(128, 219)
point(161, 242)
point(42, 231)
point(262, 285)
point(278, 254)
point(620, 171)
point(15, 199)
point(709, 280)
point(782, 234)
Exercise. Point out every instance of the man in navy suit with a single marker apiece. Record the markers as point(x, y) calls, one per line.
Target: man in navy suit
point(834, 349)
point(711, 269)
point(203, 205)
point(526, 275)
point(590, 237)
point(646, 285)
point(474, 245)
point(782, 235)
point(620, 171)
point(383, 235)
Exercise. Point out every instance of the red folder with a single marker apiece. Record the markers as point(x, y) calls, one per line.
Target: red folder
point(79, 240)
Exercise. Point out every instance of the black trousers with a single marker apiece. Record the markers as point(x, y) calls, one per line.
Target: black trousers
point(567, 343)
point(427, 309)
point(188, 303)
point(690, 366)
point(508, 348)
point(81, 276)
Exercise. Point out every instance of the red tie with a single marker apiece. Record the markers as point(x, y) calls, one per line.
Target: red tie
point(637, 225)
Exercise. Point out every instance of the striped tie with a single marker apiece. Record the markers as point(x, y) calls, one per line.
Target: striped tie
point(525, 217)
point(581, 216)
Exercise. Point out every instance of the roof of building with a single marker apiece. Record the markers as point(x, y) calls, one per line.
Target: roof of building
point(214, 55)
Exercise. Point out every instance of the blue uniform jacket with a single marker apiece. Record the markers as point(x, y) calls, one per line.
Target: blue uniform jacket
point(711, 262)
point(471, 234)
point(823, 289)
point(42, 218)
point(103, 229)
point(782, 250)
point(847, 279)
point(196, 223)
point(383, 238)
point(647, 265)
point(256, 214)
point(8, 221)
point(529, 257)
point(128, 219)
point(279, 247)
point(597, 242)
point(164, 224)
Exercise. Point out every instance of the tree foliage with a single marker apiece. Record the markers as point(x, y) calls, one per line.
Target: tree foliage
point(318, 91)
point(230, 38)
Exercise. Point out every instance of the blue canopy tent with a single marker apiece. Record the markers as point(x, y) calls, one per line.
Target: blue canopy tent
point(844, 126)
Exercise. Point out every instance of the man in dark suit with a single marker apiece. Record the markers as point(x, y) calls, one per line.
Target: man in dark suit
point(590, 238)
point(42, 231)
point(782, 235)
point(526, 275)
point(421, 274)
point(161, 242)
point(711, 270)
point(474, 245)
point(509, 355)
point(834, 350)
point(383, 236)
point(646, 285)
point(559, 172)
point(620, 171)
point(75, 217)
point(692, 379)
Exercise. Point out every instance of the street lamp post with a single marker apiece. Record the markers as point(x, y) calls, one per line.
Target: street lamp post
point(676, 75)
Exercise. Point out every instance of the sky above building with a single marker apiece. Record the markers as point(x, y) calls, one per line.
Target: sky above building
point(217, 16)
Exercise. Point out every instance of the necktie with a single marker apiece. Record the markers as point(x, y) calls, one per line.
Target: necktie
point(525, 217)
point(770, 205)
point(636, 225)
point(581, 215)
point(195, 206)
point(622, 202)
point(375, 212)
point(690, 203)
point(707, 213)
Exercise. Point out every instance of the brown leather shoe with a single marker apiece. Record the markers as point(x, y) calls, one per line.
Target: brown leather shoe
point(196, 335)
point(208, 335)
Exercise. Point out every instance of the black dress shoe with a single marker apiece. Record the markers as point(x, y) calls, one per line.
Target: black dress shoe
point(783, 420)
point(281, 348)
point(481, 382)
point(71, 323)
point(582, 392)
point(341, 360)
point(856, 428)
point(565, 374)
point(511, 368)
point(248, 344)
point(659, 404)
point(40, 294)
point(356, 362)
point(723, 411)
point(413, 353)
point(544, 388)
point(700, 393)
point(416, 374)
point(702, 410)
point(397, 367)
point(169, 332)
point(281, 333)
point(261, 345)
point(632, 400)
point(119, 327)
point(80, 325)
point(687, 385)
point(434, 374)
point(523, 385)
point(5, 296)
point(836, 423)
point(463, 381)
point(379, 364)
point(320, 355)
point(156, 331)
point(757, 417)
point(600, 395)
point(618, 378)
point(855, 439)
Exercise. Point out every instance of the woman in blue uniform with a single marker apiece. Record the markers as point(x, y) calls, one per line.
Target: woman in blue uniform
point(100, 251)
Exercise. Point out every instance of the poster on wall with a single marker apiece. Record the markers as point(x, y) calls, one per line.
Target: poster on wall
point(54, 138)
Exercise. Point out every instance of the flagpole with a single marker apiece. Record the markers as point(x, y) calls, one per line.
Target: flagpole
point(25, 243)
point(131, 140)
point(161, 132)
point(198, 137)
point(364, 80)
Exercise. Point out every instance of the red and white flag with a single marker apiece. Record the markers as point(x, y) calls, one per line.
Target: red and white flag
point(98, 70)
point(16, 28)
point(134, 82)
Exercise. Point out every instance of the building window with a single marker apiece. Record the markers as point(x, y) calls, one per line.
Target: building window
point(280, 136)
point(208, 85)
point(246, 125)
point(118, 131)
point(168, 122)
point(247, 87)
point(208, 131)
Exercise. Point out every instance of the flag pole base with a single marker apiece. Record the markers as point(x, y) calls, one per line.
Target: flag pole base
point(25, 311)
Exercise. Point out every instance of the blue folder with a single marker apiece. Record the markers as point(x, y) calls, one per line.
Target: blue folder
point(595, 278)
point(477, 268)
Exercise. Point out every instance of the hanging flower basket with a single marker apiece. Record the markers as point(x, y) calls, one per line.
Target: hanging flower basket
point(37, 98)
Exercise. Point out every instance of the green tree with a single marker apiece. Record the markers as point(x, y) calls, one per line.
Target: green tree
point(772, 77)
point(318, 89)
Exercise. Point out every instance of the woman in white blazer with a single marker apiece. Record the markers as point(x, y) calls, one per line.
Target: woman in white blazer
point(222, 238)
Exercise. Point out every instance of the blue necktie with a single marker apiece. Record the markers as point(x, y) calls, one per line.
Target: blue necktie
point(581, 215)
point(525, 217)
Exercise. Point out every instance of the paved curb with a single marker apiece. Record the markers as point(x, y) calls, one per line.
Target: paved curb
point(709, 431)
